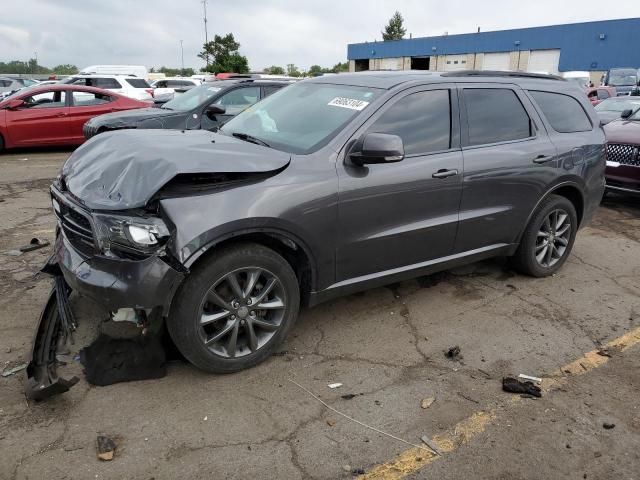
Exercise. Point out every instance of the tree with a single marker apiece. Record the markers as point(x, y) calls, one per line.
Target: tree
point(274, 70)
point(340, 67)
point(224, 56)
point(395, 28)
point(65, 69)
point(176, 72)
point(316, 70)
point(292, 70)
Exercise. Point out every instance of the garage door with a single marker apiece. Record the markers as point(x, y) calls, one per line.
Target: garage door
point(496, 61)
point(455, 62)
point(544, 61)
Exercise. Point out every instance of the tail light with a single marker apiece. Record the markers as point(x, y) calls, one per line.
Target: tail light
point(149, 91)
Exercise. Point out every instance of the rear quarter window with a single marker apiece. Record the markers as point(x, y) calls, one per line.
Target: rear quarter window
point(564, 113)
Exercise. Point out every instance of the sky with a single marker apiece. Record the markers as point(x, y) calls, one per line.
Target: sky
point(271, 32)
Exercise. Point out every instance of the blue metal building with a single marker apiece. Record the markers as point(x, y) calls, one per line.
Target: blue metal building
point(591, 46)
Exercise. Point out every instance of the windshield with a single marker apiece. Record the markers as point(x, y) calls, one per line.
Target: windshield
point(302, 117)
point(623, 78)
point(193, 97)
point(615, 105)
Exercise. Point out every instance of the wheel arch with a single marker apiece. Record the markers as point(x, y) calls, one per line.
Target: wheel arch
point(570, 190)
point(293, 249)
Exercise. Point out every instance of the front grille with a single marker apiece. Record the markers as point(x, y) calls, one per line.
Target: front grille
point(76, 225)
point(623, 154)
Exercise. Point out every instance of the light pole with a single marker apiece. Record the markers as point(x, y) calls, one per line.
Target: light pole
point(35, 67)
point(206, 34)
point(182, 53)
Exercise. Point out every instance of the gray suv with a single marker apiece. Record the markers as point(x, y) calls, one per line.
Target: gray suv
point(327, 187)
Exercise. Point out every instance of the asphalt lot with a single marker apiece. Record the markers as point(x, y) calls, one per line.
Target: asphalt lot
point(385, 346)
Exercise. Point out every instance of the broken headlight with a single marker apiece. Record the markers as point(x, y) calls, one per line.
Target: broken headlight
point(125, 234)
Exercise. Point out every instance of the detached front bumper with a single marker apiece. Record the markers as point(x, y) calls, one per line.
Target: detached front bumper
point(118, 283)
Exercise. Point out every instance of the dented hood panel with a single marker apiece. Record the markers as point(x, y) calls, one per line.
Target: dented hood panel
point(124, 169)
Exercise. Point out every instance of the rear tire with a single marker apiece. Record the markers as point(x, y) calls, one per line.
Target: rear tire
point(548, 239)
point(216, 319)
point(1, 144)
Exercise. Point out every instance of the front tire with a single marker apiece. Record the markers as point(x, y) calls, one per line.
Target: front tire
point(235, 308)
point(548, 238)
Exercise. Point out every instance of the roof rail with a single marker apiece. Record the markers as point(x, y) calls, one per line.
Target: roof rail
point(497, 73)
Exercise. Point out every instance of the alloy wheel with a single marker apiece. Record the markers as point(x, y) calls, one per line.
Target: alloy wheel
point(241, 312)
point(553, 238)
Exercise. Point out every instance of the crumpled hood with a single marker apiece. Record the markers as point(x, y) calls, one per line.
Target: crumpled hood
point(124, 169)
point(130, 118)
point(623, 131)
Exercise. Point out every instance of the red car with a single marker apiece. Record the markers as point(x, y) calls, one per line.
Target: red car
point(598, 94)
point(54, 114)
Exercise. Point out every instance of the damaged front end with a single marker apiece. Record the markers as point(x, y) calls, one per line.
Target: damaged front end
point(55, 326)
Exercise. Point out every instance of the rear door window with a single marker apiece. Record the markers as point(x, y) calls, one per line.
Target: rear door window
point(564, 113)
point(105, 82)
point(422, 120)
point(495, 115)
point(84, 99)
point(137, 82)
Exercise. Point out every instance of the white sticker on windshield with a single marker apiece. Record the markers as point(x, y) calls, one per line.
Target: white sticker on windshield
point(214, 89)
point(351, 103)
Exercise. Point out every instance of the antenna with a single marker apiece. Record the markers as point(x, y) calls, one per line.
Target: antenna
point(206, 35)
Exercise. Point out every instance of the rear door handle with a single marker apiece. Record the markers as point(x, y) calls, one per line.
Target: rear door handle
point(61, 114)
point(542, 159)
point(444, 173)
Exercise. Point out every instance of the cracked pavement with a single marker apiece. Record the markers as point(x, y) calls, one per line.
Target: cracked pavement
point(385, 345)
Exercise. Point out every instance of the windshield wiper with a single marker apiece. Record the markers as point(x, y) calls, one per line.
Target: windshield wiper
point(250, 138)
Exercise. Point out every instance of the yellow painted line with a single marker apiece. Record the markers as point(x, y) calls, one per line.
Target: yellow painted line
point(414, 459)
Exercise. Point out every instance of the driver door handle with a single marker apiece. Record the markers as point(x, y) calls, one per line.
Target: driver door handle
point(542, 159)
point(61, 114)
point(444, 173)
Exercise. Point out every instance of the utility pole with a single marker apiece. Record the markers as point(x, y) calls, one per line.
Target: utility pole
point(35, 67)
point(182, 53)
point(206, 34)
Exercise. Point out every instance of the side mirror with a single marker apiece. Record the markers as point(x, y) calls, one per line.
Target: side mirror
point(15, 104)
point(213, 110)
point(377, 148)
point(626, 113)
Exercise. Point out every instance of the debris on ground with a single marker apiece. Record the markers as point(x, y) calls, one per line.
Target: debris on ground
point(427, 402)
point(346, 468)
point(513, 385)
point(34, 244)
point(331, 423)
point(608, 426)
point(106, 448)
point(334, 385)
point(603, 352)
point(358, 471)
point(522, 376)
point(13, 370)
point(112, 360)
point(429, 443)
point(348, 396)
point(453, 353)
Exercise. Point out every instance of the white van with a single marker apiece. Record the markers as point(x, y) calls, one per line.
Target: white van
point(582, 79)
point(129, 70)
